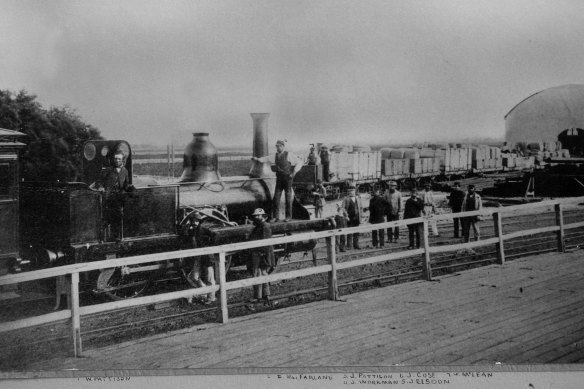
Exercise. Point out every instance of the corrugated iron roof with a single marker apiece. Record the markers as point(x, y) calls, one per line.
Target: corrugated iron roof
point(551, 91)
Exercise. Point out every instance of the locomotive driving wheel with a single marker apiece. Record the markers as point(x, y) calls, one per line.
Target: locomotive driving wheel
point(122, 283)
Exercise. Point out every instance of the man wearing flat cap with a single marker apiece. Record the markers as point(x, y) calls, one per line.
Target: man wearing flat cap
point(286, 166)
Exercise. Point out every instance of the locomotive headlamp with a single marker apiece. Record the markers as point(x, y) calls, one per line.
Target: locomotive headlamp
point(123, 148)
point(89, 151)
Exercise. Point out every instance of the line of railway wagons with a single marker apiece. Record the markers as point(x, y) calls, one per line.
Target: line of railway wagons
point(416, 165)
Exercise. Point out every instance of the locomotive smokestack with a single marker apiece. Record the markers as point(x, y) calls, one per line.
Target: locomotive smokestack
point(260, 146)
point(200, 160)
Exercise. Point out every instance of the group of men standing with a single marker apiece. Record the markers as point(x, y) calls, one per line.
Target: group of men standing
point(381, 209)
point(465, 202)
point(387, 207)
point(384, 207)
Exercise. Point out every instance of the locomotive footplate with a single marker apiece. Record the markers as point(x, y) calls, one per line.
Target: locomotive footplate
point(225, 235)
point(128, 247)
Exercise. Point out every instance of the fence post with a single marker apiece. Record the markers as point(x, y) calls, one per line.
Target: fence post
point(499, 233)
point(332, 257)
point(75, 319)
point(560, 222)
point(427, 270)
point(223, 286)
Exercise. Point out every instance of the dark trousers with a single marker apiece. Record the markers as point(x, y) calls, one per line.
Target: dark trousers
point(325, 171)
point(282, 184)
point(457, 223)
point(415, 231)
point(340, 239)
point(113, 215)
point(378, 237)
point(467, 223)
point(353, 237)
point(392, 235)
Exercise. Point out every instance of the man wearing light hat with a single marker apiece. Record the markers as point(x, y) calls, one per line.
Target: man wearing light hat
point(286, 166)
point(262, 258)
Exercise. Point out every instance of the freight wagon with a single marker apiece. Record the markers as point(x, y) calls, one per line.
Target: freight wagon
point(414, 166)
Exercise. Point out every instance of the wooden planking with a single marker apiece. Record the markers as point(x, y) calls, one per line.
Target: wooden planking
point(403, 321)
point(460, 319)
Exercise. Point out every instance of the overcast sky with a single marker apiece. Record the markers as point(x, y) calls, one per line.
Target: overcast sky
point(337, 71)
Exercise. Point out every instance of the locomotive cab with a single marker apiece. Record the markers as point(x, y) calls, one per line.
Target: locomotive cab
point(98, 155)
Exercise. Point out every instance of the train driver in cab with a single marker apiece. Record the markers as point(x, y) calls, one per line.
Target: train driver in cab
point(286, 165)
point(114, 182)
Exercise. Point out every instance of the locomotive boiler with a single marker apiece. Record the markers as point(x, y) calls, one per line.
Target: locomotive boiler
point(64, 223)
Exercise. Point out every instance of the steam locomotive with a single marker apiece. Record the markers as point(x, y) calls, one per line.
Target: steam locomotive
point(64, 223)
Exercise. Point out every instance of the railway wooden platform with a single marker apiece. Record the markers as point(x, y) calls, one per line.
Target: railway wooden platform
point(530, 310)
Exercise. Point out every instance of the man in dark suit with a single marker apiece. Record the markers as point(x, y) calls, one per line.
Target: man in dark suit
point(114, 182)
point(414, 208)
point(377, 210)
point(353, 206)
point(455, 201)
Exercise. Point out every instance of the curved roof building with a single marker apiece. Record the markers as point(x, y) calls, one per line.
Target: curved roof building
point(544, 115)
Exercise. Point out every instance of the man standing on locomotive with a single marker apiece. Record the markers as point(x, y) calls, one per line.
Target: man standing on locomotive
point(262, 258)
point(319, 194)
point(114, 182)
point(286, 165)
point(325, 160)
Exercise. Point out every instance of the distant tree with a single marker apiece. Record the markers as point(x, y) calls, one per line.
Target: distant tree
point(55, 136)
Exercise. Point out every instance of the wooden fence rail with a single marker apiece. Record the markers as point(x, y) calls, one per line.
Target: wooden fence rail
point(332, 267)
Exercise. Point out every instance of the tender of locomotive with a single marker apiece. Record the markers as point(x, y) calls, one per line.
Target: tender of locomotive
point(63, 223)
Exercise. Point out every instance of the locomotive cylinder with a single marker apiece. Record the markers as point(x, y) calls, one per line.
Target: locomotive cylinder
point(200, 160)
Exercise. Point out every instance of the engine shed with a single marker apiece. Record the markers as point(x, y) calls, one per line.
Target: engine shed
point(10, 148)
